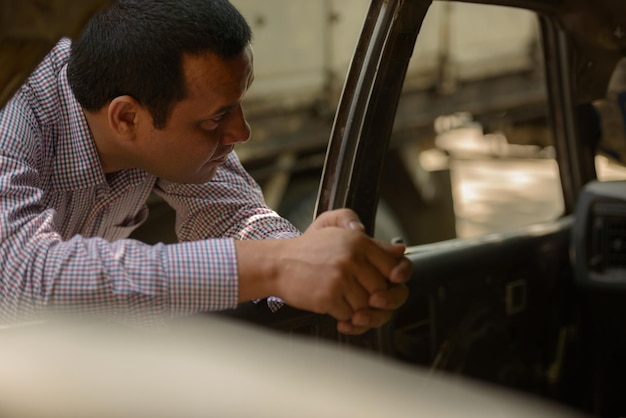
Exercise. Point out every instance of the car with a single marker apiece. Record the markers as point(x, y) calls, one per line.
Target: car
point(537, 307)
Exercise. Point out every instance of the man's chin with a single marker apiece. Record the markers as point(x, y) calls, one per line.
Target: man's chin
point(205, 176)
point(202, 177)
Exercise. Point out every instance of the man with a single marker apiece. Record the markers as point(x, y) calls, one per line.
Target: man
point(149, 99)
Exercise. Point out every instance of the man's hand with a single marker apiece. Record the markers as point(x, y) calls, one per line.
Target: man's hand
point(382, 304)
point(333, 268)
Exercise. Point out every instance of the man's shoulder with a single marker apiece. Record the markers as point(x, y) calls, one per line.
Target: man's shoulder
point(59, 55)
point(52, 64)
point(38, 104)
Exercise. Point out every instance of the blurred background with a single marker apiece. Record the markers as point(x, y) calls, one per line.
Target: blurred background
point(471, 151)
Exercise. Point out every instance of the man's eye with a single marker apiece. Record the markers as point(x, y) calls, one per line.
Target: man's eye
point(213, 123)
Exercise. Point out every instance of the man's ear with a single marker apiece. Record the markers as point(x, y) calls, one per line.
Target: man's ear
point(123, 115)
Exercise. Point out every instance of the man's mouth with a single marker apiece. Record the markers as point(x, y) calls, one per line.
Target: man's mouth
point(220, 159)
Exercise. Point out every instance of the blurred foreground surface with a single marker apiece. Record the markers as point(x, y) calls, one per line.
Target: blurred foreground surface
point(217, 368)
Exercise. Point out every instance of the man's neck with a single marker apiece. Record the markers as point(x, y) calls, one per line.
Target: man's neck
point(111, 157)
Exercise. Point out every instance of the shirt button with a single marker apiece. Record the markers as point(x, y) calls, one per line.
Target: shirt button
point(101, 192)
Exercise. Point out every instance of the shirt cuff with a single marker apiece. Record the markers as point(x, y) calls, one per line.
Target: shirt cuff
point(275, 303)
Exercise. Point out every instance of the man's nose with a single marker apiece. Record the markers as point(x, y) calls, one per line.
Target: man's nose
point(237, 129)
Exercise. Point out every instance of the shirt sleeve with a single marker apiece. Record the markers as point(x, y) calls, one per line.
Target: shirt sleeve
point(123, 280)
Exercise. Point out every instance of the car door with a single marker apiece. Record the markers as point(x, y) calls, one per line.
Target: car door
point(502, 301)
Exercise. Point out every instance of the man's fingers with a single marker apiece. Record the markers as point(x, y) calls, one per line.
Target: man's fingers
point(356, 296)
point(372, 318)
point(339, 218)
point(341, 310)
point(371, 279)
point(402, 272)
point(394, 249)
point(347, 328)
point(364, 320)
point(403, 269)
point(390, 299)
point(390, 265)
point(386, 257)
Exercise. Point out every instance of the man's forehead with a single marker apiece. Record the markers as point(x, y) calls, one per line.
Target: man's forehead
point(214, 84)
point(199, 68)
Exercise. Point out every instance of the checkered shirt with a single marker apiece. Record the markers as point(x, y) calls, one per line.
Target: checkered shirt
point(64, 223)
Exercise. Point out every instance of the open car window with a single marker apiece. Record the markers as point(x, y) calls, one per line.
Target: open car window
point(476, 84)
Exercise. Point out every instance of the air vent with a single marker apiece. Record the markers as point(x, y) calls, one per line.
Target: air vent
point(608, 236)
point(599, 236)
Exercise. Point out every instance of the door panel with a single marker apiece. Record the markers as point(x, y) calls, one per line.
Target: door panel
point(488, 307)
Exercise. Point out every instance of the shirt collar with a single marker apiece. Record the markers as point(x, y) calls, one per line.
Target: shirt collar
point(77, 163)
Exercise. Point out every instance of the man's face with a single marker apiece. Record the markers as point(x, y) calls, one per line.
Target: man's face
point(203, 128)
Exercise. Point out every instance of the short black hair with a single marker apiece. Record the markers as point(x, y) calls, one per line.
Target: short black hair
point(136, 48)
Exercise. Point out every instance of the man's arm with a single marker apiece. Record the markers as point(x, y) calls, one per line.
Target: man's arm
point(237, 209)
